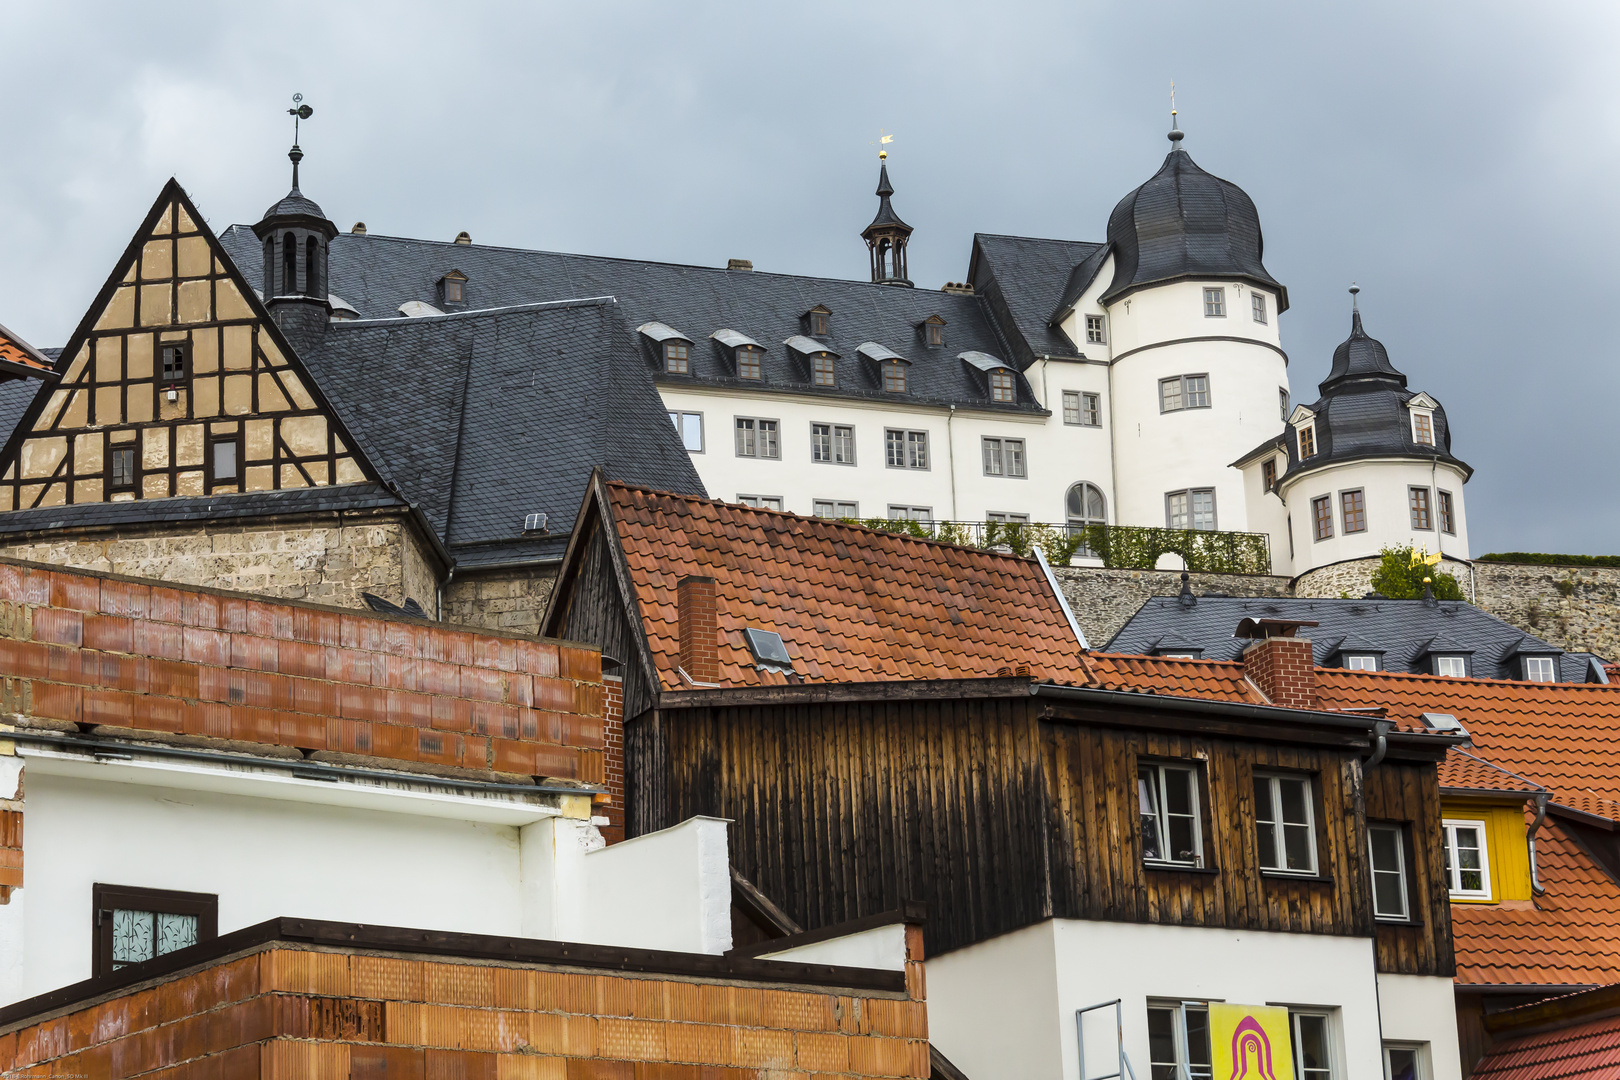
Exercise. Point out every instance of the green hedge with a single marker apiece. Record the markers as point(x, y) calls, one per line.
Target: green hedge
point(1126, 547)
point(1539, 559)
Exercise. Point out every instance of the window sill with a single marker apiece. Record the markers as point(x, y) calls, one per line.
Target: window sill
point(1284, 875)
point(1396, 922)
point(1178, 868)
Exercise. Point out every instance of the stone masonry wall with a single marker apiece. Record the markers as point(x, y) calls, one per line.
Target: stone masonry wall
point(1574, 607)
point(1103, 600)
point(512, 600)
point(325, 562)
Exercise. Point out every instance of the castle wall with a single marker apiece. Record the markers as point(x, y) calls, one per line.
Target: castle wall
point(1103, 600)
point(1574, 607)
point(511, 600)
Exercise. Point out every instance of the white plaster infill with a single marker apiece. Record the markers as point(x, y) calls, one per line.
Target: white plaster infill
point(414, 795)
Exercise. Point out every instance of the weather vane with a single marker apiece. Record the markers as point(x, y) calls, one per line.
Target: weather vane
point(298, 112)
point(883, 140)
point(1172, 102)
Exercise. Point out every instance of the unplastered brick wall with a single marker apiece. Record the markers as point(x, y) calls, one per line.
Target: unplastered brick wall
point(284, 1014)
point(92, 650)
point(613, 754)
point(509, 600)
point(325, 561)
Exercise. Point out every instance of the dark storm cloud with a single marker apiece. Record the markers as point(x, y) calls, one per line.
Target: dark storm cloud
point(1454, 159)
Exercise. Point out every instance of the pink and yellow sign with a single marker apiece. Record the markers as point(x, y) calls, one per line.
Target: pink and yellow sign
point(1250, 1042)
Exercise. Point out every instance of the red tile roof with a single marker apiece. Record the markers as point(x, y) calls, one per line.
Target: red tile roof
point(1589, 1051)
point(1462, 771)
point(1220, 679)
point(1568, 936)
point(14, 350)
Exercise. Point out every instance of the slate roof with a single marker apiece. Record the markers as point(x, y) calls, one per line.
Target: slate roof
point(484, 417)
point(1403, 629)
point(257, 504)
point(15, 397)
point(1185, 223)
point(1022, 279)
point(376, 274)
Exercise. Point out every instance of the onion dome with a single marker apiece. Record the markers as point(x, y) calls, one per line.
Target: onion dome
point(1360, 357)
point(1184, 223)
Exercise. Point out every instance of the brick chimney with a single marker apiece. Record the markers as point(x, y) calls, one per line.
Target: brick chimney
point(700, 631)
point(1279, 663)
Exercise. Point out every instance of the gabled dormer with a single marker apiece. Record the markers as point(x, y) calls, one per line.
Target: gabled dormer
point(817, 322)
point(817, 363)
point(1303, 421)
point(887, 369)
point(997, 378)
point(673, 348)
point(452, 291)
point(932, 330)
point(747, 356)
point(1421, 408)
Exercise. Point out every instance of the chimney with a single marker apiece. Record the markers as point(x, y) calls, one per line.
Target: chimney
point(739, 264)
point(700, 632)
point(1279, 663)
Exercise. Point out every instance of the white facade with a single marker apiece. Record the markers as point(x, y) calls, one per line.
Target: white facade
point(1007, 1007)
point(269, 844)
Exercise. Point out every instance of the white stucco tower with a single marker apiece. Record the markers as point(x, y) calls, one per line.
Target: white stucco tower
point(1189, 317)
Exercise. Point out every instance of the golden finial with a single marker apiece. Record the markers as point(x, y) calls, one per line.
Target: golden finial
point(1172, 102)
point(883, 140)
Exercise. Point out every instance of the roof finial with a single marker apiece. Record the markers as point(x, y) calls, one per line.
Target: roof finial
point(1175, 131)
point(883, 140)
point(298, 112)
point(1354, 289)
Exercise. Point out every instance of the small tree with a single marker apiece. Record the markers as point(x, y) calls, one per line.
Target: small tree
point(1399, 577)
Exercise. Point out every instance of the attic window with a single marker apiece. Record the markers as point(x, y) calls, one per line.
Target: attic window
point(1422, 427)
point(453, 290)
point(769, 652)
point(934, 331)
point(820, 322)
point(894, 376)
point(1540, 669)
point(748, 363)
point(174, 363)
point(1307, 441)
point(1439, 721)
point(1001, 386)
point(822, 372)
point(534, 523)
point(676, 357)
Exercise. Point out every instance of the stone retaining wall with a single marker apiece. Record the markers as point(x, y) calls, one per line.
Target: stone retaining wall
point(1574, 607)
point(1103, 599)
point(509, 600)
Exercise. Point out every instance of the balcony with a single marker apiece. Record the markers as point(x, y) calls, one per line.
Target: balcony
point(1124, 547)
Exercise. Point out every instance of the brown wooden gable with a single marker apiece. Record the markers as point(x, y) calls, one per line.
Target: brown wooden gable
point(116, 428)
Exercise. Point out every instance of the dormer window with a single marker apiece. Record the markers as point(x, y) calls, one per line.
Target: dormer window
point(1451, 667)
point(1095, 334)
point(894, 377)
point(1307, 440)
point(1361, 661)
point(677, 357)
point(936, 334)
point(818, 320)
point(1002, 387)
point(822, 372)
point(749, 362)
point(453, 288)
point(1540, 669)
point(674, 347)
point(746, 353)
point(1422, 427)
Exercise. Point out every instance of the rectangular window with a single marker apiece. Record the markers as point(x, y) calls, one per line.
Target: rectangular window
point(223, 458)
point(1258, 302)
point(832, 443)
point(1418, 499)
point(452, 290)
point(1006, 517)
point(911, 513)
point(1197, 391)
point(1386, 851)
point(1094, 330)
point(1268, 473)
point(894, 377)
point(133, 925)
point(1091, 410)
point(757, 438)
point(1071, 406)
point(1313, 1047)
point(174, 363)
point(1448, 522)
point(1003, 457)
point(1452, 667)
point(1307, 441)
point(1467, 874)
point(1170, 394)
point(1184, 392)
point(1422, 428)
point(832, 508)
point(1322, 517)
point(936, 334)
point(1193, 509)
point(906, 449)
point(1001, 386)
point(1353, 506)
point(690, 427)
point(763, 502)
point(821, 370)
point(818, 324)
point(1168, 797)
point(676, 358)
point(121, 467)
point(1360, 662)
point(1282, 403)
point(1178, 1042)
point(1540, 669)
point(1215, 303)
point(1403, 1063)
point(748, 363)
point(1286, 822)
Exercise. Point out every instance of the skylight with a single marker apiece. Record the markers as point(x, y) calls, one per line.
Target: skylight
point(769, 652)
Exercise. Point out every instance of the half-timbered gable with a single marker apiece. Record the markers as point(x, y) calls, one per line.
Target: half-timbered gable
point(176, 383)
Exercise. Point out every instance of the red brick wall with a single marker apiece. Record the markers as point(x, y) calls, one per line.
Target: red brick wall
point(98, 650)
point(284, 1014)
point(700, 631)
point(613, 754)
point(1283, 670)
point(11, 853)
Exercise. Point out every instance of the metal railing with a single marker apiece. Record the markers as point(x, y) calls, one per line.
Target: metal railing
point(1126, 547)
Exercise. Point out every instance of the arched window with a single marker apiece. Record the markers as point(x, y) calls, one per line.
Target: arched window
point(312, 263)
point(1085, 506)
point(289, 265)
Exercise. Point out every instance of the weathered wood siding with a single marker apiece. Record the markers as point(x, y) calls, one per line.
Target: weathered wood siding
point(594, 612)
point(1409, 794)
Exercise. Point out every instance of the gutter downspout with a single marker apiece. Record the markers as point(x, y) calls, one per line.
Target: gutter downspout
point(1541, 815)
point(1113, 438)
point(1380, 744)
point(950, 456)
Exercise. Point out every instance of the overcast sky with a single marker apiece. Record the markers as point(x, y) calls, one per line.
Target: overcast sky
point(1457, 160)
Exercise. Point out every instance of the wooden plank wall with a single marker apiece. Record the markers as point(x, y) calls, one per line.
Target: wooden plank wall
point(1410, 794)
point(596, 614)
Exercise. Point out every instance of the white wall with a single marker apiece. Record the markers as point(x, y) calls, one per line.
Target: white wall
point(665, 890)
point(1006, 1008)
point(1423, 1009)
point(880, 947)
point(1389, 522)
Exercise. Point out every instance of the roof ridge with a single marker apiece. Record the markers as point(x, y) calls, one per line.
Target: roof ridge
point(1041, 239)
point(584, 301)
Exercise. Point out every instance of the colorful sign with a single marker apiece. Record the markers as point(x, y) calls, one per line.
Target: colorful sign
point(1250, 1042)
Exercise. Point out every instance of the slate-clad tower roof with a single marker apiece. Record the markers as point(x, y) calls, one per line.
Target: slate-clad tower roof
point(1360, 358)
point(1185, 223)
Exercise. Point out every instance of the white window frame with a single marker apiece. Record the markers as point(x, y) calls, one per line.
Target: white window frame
point(1006, 517)
point(1360, 662)
point(1090, 403)
point(1552, 668)
point(1071, 408)
point(1214, 302)
point(1453, 871)
point(676, 417)
point(737, 430)
point(1420, 1058)
point(1462, 664)
point(855, 509)
point(1098, 334)
point(1405, 914)
point(832, 442)
point(1178, 1010)
point(995, 448)
point(1159, 768)
point(1279, 838)
point(907, 445)
point(758, 501)
point(1330, 1036)
point(1299, 434)
point(1427, 414)
point(1257, 304)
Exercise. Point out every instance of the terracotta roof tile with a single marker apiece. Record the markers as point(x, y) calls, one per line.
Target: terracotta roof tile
point(1589, 1051)
point(1462, 771)
point(15, 350)
point(1219, 679)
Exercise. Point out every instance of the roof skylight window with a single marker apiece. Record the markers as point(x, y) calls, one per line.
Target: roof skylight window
point(768, 650)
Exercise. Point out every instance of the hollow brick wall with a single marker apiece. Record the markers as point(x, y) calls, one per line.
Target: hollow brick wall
point(283, 1013)
point(98, 650)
